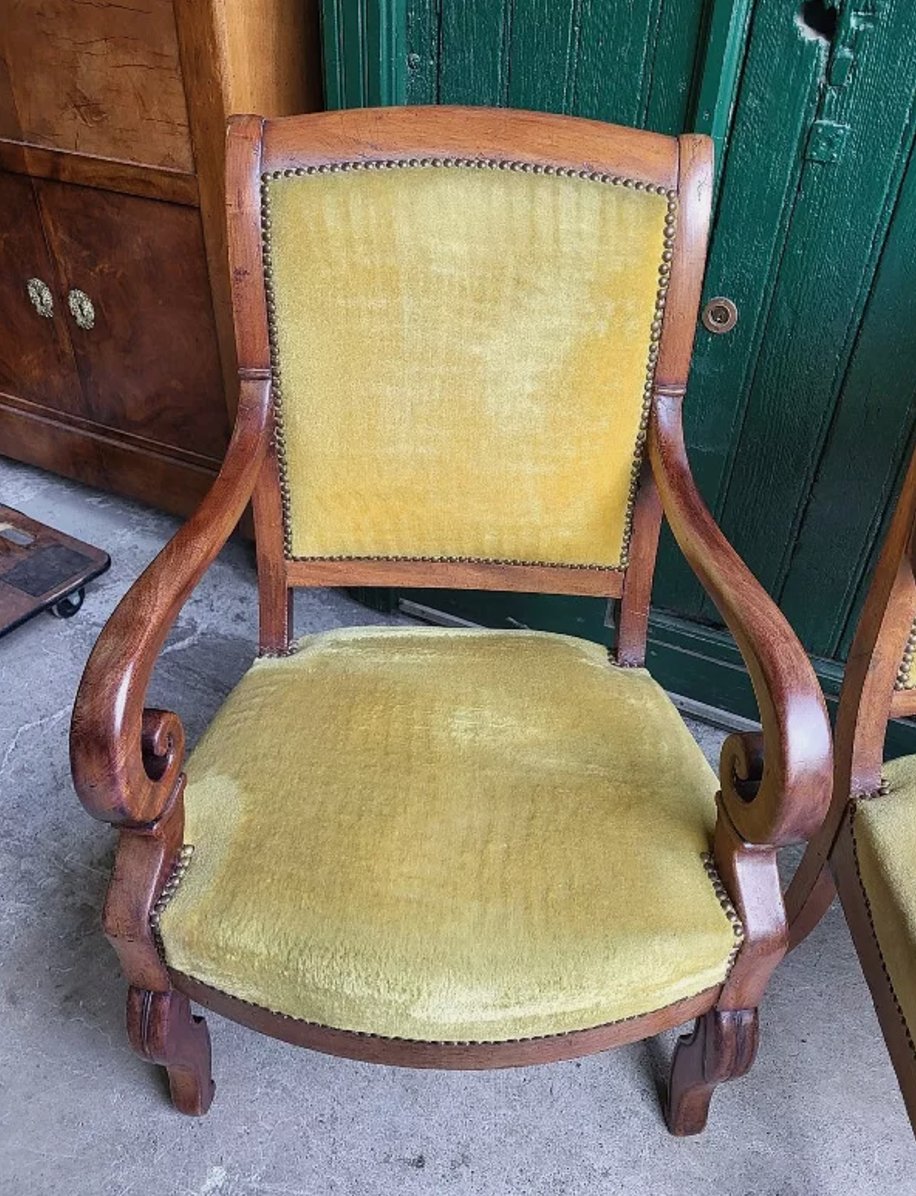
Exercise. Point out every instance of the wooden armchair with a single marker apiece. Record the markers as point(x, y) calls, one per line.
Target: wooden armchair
point(866, 848)
point(463, 340)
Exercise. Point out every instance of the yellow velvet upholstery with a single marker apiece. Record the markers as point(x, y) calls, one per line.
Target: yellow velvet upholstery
point(885, 837)
point(462, 358)
point(449, 835)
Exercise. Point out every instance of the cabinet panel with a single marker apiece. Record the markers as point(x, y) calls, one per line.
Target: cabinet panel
point(149, 363)
point(95, 78)
point(36, 362)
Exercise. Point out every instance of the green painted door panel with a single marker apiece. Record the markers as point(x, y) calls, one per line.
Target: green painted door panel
point(840, 218)
point(868, 443)
point(799, 421)
point(759, 184)
point(364, 52)
point(553, 56)
point(477, 63)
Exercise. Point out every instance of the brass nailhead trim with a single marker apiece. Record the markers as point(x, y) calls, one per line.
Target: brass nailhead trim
point(179, 868)
point(905, 678)
point(446, 1042)
point(869, 795)
point(874, 933)
point(664, 275)
point(466, 560)
point(725, 901)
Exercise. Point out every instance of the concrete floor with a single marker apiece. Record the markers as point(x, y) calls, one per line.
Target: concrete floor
point(819, 1113)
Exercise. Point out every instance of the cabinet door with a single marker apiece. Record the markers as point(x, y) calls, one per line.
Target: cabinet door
point(140, 315)
point(36, 362)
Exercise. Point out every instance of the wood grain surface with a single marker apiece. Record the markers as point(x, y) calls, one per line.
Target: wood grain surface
point(96, 78)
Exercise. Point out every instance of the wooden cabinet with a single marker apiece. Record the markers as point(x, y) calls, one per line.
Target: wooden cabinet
point(116, 348)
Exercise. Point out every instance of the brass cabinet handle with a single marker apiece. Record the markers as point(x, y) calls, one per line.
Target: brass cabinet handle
point(81, 308)
point(40, 297)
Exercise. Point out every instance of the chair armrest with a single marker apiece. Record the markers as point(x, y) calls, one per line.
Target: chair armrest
point(127, 761)
point(775, 786)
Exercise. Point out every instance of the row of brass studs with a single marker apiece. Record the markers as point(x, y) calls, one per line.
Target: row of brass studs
point(655, 336)
point(874, 933)
point(870, 794)
point(568, 172)
point(664, 274)
point(466, 560)
point(279, 436)
point(443, 1042)
point(179, 868)
point(725, 901)
point(905, 679)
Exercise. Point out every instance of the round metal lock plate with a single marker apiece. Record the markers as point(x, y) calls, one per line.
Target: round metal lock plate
point(720, 315)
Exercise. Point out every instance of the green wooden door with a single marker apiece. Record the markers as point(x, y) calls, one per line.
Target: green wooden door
point(800, 419)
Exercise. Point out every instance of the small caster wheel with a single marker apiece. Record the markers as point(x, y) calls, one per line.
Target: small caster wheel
point(66, 608)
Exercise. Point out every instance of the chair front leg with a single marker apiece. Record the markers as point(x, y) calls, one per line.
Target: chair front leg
point(723, 1043)
point(160, 1026)
point(162, 1029)
point(722, 1046)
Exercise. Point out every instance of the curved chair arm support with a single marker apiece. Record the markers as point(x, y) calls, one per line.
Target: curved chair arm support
point(127, 761)
point(775, 785)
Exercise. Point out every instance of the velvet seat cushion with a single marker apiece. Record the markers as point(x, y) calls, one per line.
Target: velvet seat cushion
point(885, 840)
point(449, 835)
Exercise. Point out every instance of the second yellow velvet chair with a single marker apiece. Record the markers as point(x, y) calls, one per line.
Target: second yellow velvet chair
point(866, 848)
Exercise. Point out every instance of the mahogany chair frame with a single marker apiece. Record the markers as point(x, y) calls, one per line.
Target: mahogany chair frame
point(127, 760)
point(873, 693)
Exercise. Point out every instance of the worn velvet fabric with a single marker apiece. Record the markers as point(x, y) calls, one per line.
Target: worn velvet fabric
point(462, 360)
point(885, 834)
point(449, 835)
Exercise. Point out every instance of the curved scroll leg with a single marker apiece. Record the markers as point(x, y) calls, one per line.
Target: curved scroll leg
point(161, 1029)
point(721, 1047)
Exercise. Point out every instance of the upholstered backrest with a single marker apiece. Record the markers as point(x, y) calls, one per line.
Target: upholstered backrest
point(463, 355)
